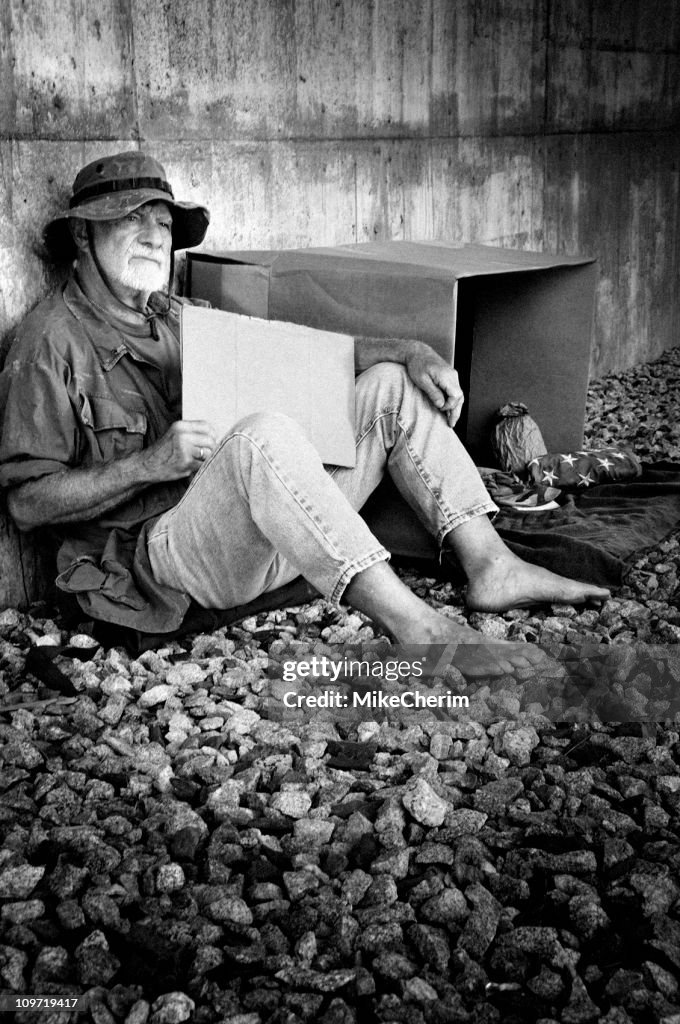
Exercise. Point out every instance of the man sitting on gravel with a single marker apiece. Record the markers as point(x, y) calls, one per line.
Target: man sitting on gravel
point(152, 510)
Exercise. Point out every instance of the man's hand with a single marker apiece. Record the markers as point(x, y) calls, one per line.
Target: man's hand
point(436, 379)
point(79, 495)
point(427, 370)
point(181, 451)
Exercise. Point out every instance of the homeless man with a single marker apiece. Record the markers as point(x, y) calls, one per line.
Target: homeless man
point(153, 511)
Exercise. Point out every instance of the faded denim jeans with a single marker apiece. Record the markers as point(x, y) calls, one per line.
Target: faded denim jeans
point(263, 509)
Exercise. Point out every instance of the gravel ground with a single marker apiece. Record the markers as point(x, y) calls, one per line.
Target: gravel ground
point(174, 849)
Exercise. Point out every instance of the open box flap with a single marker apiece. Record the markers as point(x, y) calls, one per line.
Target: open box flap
point(393, 258)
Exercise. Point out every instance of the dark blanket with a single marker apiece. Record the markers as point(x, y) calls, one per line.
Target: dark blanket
point(593, 536)
point(596, 533)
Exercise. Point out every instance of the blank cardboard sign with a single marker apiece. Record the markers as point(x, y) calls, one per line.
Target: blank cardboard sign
point(234, 365)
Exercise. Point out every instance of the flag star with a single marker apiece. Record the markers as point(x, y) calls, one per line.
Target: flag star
point(583, 453)
point(618, 455)
point(585, 481)
point(605, 463)
point(534, 462)
point(569, 458)
point(550, 477)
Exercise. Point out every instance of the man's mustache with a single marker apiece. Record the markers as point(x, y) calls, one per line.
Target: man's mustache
point(153, 257)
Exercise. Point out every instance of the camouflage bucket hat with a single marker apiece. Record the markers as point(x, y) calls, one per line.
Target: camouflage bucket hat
point(114, 186)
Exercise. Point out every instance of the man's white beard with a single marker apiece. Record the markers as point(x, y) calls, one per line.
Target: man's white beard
point(145, 276)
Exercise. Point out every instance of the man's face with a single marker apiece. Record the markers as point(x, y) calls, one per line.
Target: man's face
point(134, 252)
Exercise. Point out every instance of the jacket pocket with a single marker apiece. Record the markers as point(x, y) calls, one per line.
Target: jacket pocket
point(112, 430)
point(112, 579)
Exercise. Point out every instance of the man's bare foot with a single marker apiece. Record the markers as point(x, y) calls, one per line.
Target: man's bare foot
point(473, 654)
point(509, 582)
point(408, 620)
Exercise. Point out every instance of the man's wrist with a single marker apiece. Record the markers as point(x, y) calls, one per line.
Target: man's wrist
point(417, 349)
point(416, 353)
point(150, 472)
point(404, 351)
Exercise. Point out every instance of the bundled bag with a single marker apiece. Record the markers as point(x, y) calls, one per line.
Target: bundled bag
point(516, 439)
point(576, 471)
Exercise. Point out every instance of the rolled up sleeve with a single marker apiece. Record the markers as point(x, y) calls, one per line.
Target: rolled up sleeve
point(39, 428)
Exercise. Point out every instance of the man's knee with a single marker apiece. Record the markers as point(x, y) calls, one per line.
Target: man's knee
point(257, 439)
point(266, 425)
point(385, 379)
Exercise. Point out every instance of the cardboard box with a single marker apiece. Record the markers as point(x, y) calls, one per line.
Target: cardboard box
point(516, 325)
point(234, 365)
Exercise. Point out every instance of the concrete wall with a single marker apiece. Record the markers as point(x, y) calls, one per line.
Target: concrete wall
point(524, 123)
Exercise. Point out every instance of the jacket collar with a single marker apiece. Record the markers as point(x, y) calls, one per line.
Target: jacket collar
point(101, 320)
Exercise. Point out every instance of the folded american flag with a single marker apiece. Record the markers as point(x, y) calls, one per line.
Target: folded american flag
point(579, 470)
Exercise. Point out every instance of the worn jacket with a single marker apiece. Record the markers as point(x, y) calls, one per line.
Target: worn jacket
point(79, 389)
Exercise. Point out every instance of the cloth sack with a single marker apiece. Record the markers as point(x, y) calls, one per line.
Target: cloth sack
point(516, 438)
